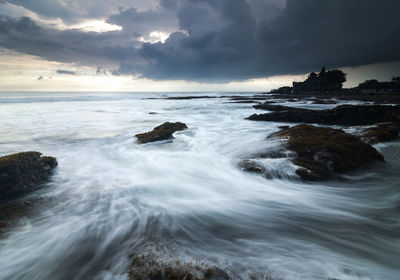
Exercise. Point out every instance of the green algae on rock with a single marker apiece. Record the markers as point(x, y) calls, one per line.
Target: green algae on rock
point(22, 172)
point(322, 152)
point(161, 132)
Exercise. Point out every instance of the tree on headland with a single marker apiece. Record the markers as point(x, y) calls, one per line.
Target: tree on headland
point(325, 81)
point(335, 79)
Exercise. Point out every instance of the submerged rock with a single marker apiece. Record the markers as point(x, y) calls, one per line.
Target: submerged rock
point(252, 167)
point(22, 172)
point(161, 132)
point(382, 132)
point(12, 211)
point(322, 152)
point(341, 115)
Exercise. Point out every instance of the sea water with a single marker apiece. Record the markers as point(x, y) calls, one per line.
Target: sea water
point(187, 199)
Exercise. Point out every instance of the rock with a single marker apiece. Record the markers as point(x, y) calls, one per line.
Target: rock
point(283, 127)
point(159, 133)
point(150, 267)
point(251, 166)
point(322, 152)
point(12, 211)
point(382, 132)
point(22, 172)
point(322, 101)
point(216, 274)
point(341, 115)
point(269, 107)
point(171, 126)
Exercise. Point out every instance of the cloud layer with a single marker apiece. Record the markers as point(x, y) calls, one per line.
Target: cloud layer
point(212, 40)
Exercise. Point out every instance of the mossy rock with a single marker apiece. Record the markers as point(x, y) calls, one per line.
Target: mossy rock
point(22, 172)
point(382, 132)
point(161, 132)
point(322, 151)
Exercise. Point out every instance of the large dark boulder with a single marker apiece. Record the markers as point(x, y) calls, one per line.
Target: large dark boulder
point(161, 132)
point(322, 152)
point(22, 172)
point(341, 115)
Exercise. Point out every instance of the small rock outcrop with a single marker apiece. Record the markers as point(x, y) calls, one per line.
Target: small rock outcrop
point(340, 115)
point(382, 132)
point(322, 152)
point(161, 132)
point(251, 166)
point(22, 172)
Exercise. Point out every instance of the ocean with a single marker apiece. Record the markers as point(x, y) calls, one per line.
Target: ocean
point(188, 199)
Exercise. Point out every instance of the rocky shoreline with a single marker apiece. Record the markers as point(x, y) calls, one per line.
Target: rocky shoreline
point(20, 174)
point(321, 152)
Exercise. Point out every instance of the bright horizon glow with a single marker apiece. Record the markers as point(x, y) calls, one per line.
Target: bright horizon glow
point(21, 72)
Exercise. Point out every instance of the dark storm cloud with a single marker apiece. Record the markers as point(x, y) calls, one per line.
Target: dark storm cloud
point(66, 72)
point(88, 48)
point(224, 40)
point(145, 22)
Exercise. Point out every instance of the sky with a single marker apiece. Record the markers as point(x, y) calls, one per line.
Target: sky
point(193, 45)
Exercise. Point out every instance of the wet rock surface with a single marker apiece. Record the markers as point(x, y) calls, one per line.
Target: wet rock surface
point(251, 166)
point(322, 152)
point(382, 132)
point(161, 132)
point(341, 115)
point(149, 267)
point(23, 172)
point(13, 211)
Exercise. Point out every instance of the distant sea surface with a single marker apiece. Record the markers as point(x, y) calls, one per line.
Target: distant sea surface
point(188, 199)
